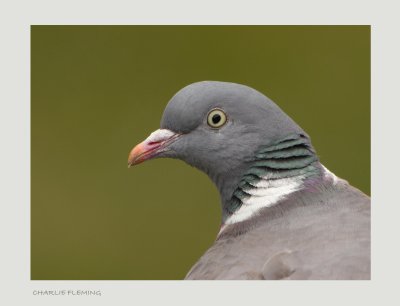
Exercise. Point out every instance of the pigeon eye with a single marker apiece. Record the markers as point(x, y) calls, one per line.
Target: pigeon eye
point(216, 118)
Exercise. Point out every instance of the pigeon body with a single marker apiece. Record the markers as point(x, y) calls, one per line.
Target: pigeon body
point(323, 235)
point(284, 215)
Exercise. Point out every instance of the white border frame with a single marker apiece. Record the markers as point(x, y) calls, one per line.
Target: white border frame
point(16, 18)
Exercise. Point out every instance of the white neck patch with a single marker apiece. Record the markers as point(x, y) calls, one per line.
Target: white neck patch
point(267, 193)
point(330, 176)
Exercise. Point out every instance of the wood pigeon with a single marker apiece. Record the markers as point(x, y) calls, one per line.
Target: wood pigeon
point(284, 215)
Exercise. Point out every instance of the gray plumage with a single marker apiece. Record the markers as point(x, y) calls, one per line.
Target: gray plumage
point(284, 216)
point(321, 235)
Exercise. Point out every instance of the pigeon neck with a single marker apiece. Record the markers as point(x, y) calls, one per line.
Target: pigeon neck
point(275, 171)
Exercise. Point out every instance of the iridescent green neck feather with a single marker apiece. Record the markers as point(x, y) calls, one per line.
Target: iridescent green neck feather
point(290, 157)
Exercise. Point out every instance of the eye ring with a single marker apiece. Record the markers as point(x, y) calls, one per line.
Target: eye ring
point(216, 118)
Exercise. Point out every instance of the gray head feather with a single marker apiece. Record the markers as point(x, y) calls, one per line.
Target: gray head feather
point(255, 123)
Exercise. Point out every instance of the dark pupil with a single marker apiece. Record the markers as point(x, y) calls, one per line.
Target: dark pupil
point(216, 118)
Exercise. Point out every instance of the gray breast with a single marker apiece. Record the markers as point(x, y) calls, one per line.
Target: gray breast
point(323, 234)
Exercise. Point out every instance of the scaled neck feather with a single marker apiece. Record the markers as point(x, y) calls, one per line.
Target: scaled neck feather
point(276, 171)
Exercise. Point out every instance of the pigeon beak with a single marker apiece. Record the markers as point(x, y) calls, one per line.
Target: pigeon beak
point(156, 143)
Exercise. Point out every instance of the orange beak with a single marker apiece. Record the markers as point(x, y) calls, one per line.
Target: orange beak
point(156, 143)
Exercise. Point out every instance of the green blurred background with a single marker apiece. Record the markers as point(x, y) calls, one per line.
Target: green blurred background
point(99, 90)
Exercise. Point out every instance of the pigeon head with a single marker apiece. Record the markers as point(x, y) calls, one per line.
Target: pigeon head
point(222, 129)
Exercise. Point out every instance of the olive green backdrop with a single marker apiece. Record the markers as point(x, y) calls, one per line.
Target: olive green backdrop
point(99, 90)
